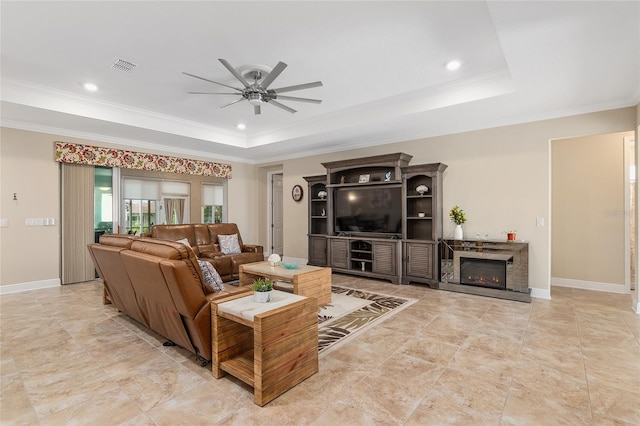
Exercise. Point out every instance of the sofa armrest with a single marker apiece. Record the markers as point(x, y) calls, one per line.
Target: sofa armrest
point(251, 248)
point(211, 254)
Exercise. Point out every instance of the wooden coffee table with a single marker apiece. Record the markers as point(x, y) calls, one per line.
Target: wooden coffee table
point(270, 346)
point(310, 281)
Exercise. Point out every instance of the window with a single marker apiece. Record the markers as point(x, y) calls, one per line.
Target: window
point(148, 202)
point(140, 199)
point(212, 203)
point(139, 215)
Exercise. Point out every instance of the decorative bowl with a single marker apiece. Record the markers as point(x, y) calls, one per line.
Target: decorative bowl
point(290, 265)
point(421, 189)
point(322, 194)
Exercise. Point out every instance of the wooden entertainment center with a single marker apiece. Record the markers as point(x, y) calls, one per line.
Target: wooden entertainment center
point(392, 233)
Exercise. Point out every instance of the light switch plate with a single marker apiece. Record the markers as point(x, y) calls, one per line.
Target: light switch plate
point(540, 221)
point(4, 223)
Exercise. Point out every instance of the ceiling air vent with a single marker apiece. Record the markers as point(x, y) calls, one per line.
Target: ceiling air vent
point(123, 65)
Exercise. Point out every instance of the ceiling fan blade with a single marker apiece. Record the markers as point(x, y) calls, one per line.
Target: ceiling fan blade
point(284, 107)
point(234, 102)
point(212, 93)
point(294, 98)
point(275, 72)
point(211, 81)
point(256, 110)
point(297, 87)
point(233, 71)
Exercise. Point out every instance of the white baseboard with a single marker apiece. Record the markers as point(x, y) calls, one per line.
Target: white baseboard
point(541, 293)
point(33, 285)
point(589, 285)
point(636, 305)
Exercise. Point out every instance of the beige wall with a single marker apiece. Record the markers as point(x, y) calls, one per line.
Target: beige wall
point(29, 254)
point(499, 176)
point(27, 167)
point(588, 208)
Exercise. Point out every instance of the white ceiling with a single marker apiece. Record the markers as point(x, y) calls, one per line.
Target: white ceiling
point(381, 64)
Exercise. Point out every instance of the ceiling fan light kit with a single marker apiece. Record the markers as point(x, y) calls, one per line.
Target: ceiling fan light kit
point(258, 92)
point(255, 98)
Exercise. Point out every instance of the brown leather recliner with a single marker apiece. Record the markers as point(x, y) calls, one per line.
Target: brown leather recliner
point(203, 238)
point(159, 284)
point(109, 266)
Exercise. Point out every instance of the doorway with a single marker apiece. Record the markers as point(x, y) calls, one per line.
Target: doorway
point(630, 212)
point(591, 212)
point(277, 222)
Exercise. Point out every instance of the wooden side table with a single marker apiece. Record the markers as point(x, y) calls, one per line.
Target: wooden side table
point(270, 346)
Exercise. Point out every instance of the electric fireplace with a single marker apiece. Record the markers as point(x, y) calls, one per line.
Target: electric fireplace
point(486, 268)
point(483, 272)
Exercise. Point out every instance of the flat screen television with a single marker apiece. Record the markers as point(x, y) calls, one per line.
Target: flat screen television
point(374, 209)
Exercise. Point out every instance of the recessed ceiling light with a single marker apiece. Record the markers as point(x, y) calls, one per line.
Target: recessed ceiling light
point(241, 126)
point(90, 87)
point(452, 65)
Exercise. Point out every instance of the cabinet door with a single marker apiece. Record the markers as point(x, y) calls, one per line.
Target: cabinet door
point(318, 251)
point(384, 258)
point(339, 253)
point(419, 260)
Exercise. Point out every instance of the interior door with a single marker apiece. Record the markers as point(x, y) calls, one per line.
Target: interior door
point(276, 215)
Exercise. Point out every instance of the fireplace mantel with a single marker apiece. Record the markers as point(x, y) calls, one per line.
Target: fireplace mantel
point(515, 253)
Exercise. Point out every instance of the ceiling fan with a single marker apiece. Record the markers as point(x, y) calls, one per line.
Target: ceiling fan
point(258, 92)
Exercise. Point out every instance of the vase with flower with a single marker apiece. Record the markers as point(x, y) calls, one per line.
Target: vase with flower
point(458, 217)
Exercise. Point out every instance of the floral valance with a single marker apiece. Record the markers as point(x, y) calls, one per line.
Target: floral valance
point(107, 157)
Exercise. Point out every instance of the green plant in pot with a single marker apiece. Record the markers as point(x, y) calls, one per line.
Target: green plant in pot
point(262, 290)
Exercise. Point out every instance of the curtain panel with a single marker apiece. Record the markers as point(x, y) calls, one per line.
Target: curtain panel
point(77, 222)
point(107, 157)
point(174, 206)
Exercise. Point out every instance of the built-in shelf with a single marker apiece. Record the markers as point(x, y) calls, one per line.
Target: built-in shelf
point(347, 185)
point(409, 255)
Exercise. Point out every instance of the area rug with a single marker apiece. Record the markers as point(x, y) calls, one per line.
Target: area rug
point(352, 312)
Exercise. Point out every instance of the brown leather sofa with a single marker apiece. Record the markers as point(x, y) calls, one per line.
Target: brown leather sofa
point(159, 284)
point(203, 238)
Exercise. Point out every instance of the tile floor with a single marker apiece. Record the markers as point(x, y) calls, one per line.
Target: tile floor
point(448, 359)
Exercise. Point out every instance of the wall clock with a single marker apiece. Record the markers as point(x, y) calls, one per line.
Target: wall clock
point(297, 192)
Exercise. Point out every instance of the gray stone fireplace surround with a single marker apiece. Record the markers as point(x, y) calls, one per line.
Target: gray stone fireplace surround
point(515, 254)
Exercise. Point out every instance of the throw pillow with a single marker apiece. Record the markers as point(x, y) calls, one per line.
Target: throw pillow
point(211, 276)
point(229, 244)
point(185, 241)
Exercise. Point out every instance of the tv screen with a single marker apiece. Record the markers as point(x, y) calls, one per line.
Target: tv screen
point(371, 209)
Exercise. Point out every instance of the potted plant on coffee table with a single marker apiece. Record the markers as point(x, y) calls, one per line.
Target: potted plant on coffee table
point(262, 290)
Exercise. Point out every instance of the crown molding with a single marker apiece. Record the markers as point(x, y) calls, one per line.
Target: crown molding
point(122, 142)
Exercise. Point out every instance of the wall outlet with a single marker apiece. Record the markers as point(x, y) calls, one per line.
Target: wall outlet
point(4, 223)
point(540, 221)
